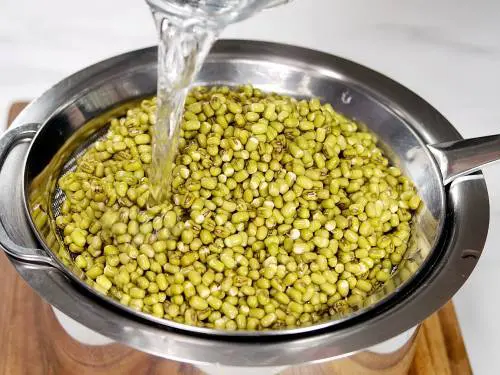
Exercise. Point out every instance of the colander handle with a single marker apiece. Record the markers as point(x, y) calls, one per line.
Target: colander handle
point(8, 140)
point(460, 158)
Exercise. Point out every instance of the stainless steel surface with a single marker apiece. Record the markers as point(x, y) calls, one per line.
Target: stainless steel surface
point(389, 127)
point(458, 158)
point(443, 256)
point(31, 255)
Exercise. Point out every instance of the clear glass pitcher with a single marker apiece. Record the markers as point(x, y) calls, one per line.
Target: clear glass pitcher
point(221, 12)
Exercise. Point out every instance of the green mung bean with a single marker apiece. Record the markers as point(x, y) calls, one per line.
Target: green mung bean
point(282, 213)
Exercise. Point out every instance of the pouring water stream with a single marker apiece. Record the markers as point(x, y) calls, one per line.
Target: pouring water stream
point(186, 30)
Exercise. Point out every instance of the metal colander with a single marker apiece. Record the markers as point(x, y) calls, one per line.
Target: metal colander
point(66, 161)
point(58, 196)
point(442, 256)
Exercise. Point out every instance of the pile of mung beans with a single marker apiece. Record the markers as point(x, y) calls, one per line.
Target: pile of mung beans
point(282, 213)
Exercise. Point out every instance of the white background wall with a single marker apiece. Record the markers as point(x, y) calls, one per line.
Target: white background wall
point(447, 51)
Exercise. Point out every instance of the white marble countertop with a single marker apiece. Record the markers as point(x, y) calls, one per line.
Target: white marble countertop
point(447, 51)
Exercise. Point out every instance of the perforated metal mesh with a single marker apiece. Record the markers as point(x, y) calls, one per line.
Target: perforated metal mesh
point(58, 196)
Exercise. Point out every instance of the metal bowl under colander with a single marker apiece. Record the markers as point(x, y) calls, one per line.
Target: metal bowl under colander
point(448, 233)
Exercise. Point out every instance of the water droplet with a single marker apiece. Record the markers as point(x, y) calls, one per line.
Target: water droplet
point(346, 97)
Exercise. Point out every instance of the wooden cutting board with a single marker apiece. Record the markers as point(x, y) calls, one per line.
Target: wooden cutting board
point(33, 343)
